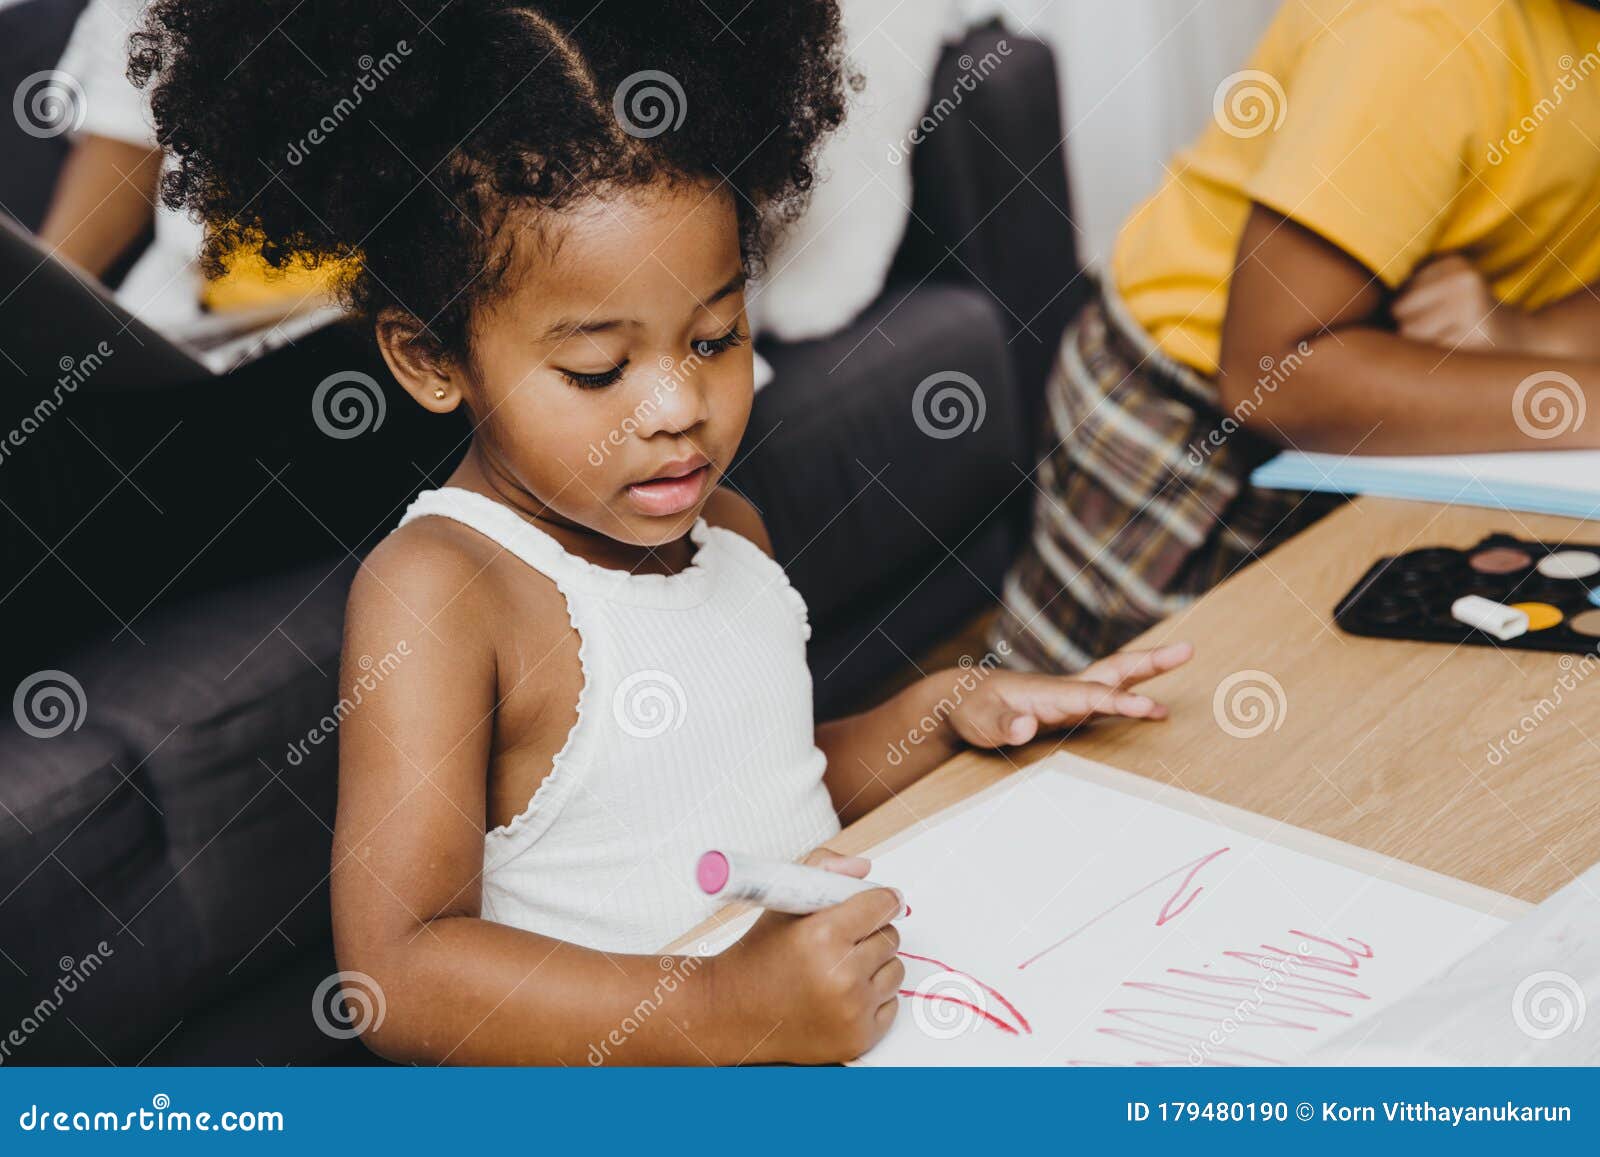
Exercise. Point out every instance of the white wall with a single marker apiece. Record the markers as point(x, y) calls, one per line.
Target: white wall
point(1138, 78)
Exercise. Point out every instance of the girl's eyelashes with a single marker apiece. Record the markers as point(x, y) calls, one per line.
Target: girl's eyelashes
point(595, 381)
point(711, 347)
point(705, 347)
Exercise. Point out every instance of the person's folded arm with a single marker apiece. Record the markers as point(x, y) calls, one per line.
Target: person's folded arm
point(1568, 328)
point(1382, 131)
point(1309, 361)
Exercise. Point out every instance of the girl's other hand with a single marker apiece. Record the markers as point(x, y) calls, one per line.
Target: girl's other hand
point(1012, 707)
point(817, 989)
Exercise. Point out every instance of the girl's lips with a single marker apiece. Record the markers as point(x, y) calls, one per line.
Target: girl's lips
point(666, 496)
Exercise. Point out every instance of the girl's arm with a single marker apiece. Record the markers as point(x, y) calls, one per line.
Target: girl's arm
point(419, 684)
point(1308, 361)
point(875, 755)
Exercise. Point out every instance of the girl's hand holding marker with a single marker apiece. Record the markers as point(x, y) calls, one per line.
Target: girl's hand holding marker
point(827, 981)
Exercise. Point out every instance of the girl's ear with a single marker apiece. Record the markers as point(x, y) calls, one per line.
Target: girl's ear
point(418, 362)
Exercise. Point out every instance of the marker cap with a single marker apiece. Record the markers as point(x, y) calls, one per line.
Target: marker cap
point(1493, 618)
point(712, 872)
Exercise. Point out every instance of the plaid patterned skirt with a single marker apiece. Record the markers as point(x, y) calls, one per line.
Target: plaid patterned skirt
point(1143, 501)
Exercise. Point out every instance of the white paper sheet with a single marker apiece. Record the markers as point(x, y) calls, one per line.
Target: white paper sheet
point(1069, 918)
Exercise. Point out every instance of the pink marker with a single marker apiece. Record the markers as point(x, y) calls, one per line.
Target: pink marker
point(797, 889)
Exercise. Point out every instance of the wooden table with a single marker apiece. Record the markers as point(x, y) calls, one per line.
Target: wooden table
point(1385, 745)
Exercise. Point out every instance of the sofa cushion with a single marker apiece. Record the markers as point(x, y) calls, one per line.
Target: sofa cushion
point(197, 816)
point(902, 434)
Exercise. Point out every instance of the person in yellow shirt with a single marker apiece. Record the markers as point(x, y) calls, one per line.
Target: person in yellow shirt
point(1388, 231)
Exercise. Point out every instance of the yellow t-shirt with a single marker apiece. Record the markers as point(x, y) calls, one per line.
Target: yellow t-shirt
point(1398, 130)
point(250, 283)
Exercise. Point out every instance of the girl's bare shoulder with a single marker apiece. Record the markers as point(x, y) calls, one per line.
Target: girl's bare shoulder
point(436, 577)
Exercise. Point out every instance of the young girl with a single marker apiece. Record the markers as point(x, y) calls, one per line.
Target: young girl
point(599, 671)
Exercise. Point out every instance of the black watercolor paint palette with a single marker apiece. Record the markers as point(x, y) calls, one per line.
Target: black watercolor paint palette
point(1410, 595)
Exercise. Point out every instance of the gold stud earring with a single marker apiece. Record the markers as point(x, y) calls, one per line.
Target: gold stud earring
point(439, 393)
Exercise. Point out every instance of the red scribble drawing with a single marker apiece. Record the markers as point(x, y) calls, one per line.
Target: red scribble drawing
point(1169, 910)
point(1193, 1022)
point(1021, 1025)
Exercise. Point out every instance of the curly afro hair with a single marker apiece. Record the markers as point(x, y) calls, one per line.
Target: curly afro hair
point(390, 138)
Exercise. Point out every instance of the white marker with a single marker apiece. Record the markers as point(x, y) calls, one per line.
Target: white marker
point(776, 884)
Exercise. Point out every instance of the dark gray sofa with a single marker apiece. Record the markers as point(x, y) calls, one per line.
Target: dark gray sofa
point(173, 829)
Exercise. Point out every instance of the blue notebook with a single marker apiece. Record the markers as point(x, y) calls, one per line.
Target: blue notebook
point(1565, 482)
